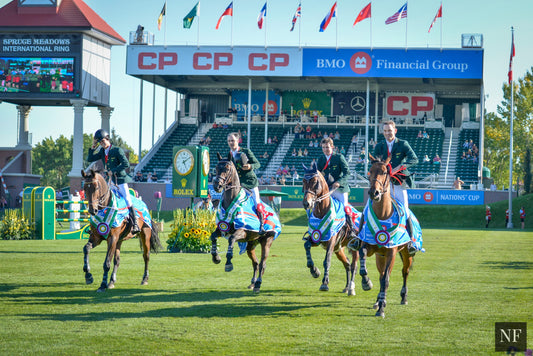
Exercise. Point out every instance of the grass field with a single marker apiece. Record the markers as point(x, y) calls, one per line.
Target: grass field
point(465, 282)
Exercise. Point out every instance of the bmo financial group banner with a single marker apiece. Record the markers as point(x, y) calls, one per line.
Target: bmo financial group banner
point(314, 62)
point(446, 197)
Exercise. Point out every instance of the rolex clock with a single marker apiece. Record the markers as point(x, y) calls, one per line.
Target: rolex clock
point(205, 162)
point(203, 174)
point(184, 162)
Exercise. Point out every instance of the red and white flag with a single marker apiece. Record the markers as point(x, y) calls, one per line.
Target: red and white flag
point(261, 17)
point(366, 13)
point(439, 14)
point(400, 14)
point(227, 12)
point(296, 15)
point(510, 74)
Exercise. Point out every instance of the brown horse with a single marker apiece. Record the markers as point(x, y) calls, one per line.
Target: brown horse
point(227, 180)
point(98, 194)
point(383, 208)
point(317, 199)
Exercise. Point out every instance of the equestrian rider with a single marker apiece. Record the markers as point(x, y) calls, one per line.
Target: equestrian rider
point(402, 157)
point(116, 163)
point(245, 162)
point(336, 172)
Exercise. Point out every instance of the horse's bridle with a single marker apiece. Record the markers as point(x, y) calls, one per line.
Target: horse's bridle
point(102, 200)
point(316, 199)
point(223, 182)
point(386, 184)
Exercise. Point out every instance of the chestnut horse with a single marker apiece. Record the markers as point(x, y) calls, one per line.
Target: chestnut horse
point(382, 207)
point(227, 180)
point(317, 201)
point(99, 196)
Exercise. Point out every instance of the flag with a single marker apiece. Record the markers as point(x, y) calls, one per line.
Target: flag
point(400, 14)
point(331, 14)
point(296, 15)
point(187, 20)
point(261, 17)
point(364, 14)
point(510, 74)
point(160, 18)
point(227, 12)
point(439, 14)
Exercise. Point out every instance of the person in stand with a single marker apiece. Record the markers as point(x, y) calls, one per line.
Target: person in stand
point(246, 162)
point(522, 217)
point(488, 216)
point(458, 184)
point(115, 163)
point(336, 172)
point(506, 217)
point(402, 157)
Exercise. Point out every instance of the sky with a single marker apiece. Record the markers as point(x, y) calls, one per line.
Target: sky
point(491, 19)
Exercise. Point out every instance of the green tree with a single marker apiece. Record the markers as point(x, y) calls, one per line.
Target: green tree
point(53, 160)
point(118, 141)
point(497, 133)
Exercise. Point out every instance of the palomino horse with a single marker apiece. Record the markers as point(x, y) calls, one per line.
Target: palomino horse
point(99, 196)
point(384, 232)
point(320, 207)
point(233, 199)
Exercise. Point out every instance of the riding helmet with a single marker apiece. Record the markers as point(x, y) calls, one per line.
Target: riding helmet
point(99, 135)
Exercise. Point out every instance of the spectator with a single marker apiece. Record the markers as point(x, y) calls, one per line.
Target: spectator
point(465, 145)
point(436, 159)
point(354, 139)
point(426, 158)
point(315, 144)
point(458, 184)
point(362, 155)
point(308, 131)
point(275, 139)
point(488, 216)
point(372, 143)
point(279, 171)
point(269, 140)
point(300, 153)
point(522, 217)
point(506, 217)
point(282, 180)
point(262, 180)
point(297, 130)
point(311, 143)
point(493, 187)
point(266, 155)
point(272, 180)
point(337, 136)
point(294, 153)
point(293, 169)
point(207, 140)
point(425, 134)
point(285, 170)
point(313, 135)
point(306, 152)
point(419, 135)
point(343, 151)
point(154, 177)
point(149, 177)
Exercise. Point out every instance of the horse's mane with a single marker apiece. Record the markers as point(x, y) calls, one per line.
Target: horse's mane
point(95, 167)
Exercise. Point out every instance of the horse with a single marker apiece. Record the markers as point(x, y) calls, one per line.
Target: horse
point(232, 201)
point(100, 199)
point(319, 206)
point(375, 238)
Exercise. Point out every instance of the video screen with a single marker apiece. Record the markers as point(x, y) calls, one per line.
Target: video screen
point(36, 75)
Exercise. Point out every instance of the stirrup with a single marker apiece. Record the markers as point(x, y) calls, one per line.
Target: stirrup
point(354, 244)
point(411, 248)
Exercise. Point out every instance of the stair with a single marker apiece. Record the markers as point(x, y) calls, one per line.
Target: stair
point(448, 158)
point(279, 154)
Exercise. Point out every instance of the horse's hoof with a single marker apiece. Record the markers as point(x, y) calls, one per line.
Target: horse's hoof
point(324, 288)
point(111, 285)
point(366, 284)
point(144, 283)
point(404, 302)
point(256, 290)
point(100, 290)
point(380, 313)
point(89, 280)
point(315, 272)
point(351, 292)
point(228, 268)
point(251, 286)
point(375, 306)
point(216, 259)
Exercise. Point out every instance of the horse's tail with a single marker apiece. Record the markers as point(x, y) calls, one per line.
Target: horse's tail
point(155, 243)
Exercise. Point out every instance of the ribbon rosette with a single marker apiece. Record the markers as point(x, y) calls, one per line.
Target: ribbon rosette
point(223, 226)
point(316, 236)
point(103, 229)
point(382, 237)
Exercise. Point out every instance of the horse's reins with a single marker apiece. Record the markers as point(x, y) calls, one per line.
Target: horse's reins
point(223, 182)
point(387, 181)
point(102, 201)
point(318, 199)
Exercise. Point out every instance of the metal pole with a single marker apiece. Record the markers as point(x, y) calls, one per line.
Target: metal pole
point(141, 121)
point(249, 112)
point(366, 124)
point(153, 116)
point(266, 114)
point(510, 223)
point(165, 115)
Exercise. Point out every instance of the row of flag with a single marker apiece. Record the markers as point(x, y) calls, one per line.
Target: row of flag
point(365, 13)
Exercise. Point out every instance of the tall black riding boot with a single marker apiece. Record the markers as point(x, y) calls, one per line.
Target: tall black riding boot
point(134, 227)
point(410, 231)
point(351, 226)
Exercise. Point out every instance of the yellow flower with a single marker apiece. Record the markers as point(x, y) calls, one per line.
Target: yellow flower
point(186, 234)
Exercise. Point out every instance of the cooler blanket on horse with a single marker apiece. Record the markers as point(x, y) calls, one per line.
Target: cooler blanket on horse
point(391, 232)
point(322, 229)
point(115, 213)
point(243, 215)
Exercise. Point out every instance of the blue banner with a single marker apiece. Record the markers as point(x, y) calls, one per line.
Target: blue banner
point(393, 63)
point(239, 100)
point(446, 197)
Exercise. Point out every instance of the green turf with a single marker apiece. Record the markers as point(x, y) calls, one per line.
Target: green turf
point(466, 281)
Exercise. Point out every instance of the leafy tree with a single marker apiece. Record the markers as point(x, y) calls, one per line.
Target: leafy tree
point(118, 141)
point(497, 133)
point(53, 160)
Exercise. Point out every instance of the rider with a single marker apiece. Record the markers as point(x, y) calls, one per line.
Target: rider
point(245, 162)
point(336, 172)
point(116, 163)
point(402, 157)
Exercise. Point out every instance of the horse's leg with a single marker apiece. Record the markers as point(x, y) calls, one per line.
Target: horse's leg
point(93, 242)
point(384, 279)
point(380, 265)
point(347, 267)
point(266, 242)
point(250, 251)
point(111, 245)
point(327, 264)
point(407, 260)
point(315, 272)
point(116, 263)
point(237, 235)
point(353, 268)
point(366, 283)
point(214, 254)
point(145, 236)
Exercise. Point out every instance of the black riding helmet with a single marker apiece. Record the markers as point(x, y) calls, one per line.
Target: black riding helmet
point(99, 135)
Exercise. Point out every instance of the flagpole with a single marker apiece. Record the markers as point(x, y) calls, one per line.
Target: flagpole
point(336, 30)
point(371, 27)
point(406, 21)
point(198, 29)
point(232, 15)
point(300, 27)
point(441, 21)
point(165, 30)
point(265, 23)
point(510, 223)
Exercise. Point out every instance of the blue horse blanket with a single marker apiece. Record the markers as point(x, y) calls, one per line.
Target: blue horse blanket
point(391, 232)
point(116, 212)
point(323, 229)
point(242, 214)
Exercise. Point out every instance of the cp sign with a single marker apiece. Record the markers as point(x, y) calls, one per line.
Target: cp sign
point(409, 104)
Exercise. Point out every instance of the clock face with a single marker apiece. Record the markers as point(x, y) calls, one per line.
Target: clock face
point(184, 162)
point(205, 162)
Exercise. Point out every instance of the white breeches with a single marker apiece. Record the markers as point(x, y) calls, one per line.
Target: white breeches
point(124, 191)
